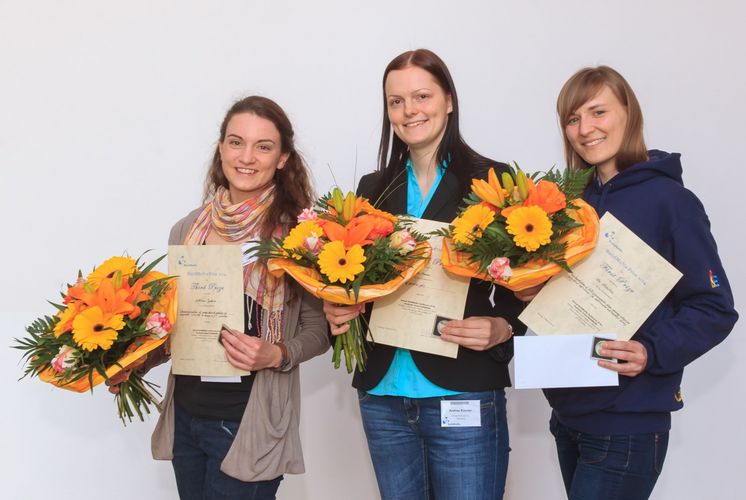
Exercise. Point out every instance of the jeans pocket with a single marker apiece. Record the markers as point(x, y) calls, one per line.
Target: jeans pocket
point(229, 427)
point(362, 396)
point(661, 447)
point(593, 449)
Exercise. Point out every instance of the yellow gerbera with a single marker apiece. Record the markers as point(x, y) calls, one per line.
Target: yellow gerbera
point(530, 227)
point(66, 318)
point(294, 240)
point(472, 223)
point(126, 265)
point(92, 328)
point(340, 265)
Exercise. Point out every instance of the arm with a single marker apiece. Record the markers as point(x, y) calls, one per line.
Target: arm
point(703, 312)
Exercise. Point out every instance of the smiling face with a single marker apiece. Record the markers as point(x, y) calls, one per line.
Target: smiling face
point(250, 154)
point(417, 107)
point(596, 130)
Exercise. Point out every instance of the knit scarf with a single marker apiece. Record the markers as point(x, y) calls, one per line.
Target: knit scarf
point(241, 222)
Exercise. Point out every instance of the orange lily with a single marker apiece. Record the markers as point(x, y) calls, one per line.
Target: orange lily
point(547, 196)
point(356, 232)
point(490, 190)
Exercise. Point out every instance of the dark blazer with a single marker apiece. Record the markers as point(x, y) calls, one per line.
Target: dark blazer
point(472, 370)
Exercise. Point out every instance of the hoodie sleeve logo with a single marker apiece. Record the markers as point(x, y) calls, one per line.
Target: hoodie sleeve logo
point(714, 283)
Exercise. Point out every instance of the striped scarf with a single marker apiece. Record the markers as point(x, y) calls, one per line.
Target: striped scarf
point(241, 222)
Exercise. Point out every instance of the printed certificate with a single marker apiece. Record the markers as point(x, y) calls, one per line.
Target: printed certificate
point(410, 316)
point(210, 294)
point(614, 289)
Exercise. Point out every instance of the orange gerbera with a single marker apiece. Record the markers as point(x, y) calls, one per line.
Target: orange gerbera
point(547, 196)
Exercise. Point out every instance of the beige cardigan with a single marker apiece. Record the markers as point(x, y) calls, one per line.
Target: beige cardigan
point(268, 440)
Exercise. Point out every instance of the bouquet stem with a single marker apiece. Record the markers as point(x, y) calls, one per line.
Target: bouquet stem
point(352, 344)
point(135, 396)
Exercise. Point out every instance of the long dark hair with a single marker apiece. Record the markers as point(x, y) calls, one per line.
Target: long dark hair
point(293, 191)
point(393, 152)
point(585, 84)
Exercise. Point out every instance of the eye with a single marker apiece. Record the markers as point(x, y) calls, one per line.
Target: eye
point(422, 97)
point(572, 120)
point(599, 112)
point(395, 102)
point(234, 143)
point(264, 147)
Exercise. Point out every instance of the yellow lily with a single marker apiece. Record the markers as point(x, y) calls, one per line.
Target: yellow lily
point(490, 191)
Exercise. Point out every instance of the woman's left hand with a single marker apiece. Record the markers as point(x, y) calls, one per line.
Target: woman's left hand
point(249, 353)
point(478, 332)
point(631, 351)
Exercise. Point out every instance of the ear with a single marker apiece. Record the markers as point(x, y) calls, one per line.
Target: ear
point(283, 159)
point(449, 103)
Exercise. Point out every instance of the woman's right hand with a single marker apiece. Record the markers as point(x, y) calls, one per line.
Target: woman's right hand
point(338, 316)
point(124, 375)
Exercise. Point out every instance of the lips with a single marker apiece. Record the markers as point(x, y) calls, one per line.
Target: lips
point(247, 171)
point(593, 142)
point(414, 124)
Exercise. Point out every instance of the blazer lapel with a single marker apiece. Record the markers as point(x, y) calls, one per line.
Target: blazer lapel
point(442, 198)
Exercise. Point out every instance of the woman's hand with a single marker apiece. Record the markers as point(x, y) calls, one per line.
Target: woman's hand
point(338, 316)
point(124, 375)
point(631, 351)
point(478, 332)
point(249, 353)
point(528, 294)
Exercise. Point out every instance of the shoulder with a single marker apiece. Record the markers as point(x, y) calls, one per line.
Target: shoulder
point(368, 183)
point(179, 230)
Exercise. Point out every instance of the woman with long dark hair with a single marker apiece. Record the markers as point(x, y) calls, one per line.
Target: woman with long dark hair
point(425, 168)
point(236, 440)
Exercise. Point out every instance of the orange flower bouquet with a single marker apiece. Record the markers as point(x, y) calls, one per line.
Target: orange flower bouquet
point(520, 232)
point(346, 251)
point(107, 322)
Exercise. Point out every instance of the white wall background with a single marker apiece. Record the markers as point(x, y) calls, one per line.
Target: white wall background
point(109, 113)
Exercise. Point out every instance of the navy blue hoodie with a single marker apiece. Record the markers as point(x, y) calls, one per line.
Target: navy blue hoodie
point(651, 200)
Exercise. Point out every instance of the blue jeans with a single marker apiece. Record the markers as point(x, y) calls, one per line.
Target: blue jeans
point(416, 459)
point(617, 466)
point(200, 445)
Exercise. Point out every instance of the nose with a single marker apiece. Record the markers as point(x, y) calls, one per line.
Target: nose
point(247, 155)
point(585, 126)
point(410, 107)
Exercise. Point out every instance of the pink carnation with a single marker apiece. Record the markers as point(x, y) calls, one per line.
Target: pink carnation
point(158, 324)
point(403, 241)
point(499, 268)
point(64, 360)
point(313, 244)
point(307, 214)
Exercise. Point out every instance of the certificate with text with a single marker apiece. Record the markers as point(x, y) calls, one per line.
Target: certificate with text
point(614, 289)
point(409, 317)
point(210, 294)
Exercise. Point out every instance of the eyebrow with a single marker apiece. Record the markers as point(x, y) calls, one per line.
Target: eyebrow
point(413, 92)
point(239, 137)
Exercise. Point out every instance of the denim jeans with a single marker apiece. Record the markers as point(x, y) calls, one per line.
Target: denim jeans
point(617, 466)
point(200, 445)
point(416, 459)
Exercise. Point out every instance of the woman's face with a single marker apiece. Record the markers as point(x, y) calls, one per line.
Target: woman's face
point(417, 107)
point(596, 130)
point(250, 154)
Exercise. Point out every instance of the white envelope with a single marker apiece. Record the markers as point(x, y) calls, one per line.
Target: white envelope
point(544, 362)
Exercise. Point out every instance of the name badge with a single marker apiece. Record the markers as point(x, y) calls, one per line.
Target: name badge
point(460, 413)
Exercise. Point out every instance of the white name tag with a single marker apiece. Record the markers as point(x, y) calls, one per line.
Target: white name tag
point(222, 380)
point(460, 413)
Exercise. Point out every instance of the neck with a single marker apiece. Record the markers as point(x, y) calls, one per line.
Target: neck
point(606, 172)
point(423, 161)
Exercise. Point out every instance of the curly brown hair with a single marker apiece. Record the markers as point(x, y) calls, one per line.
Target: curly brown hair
point(293, 191)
